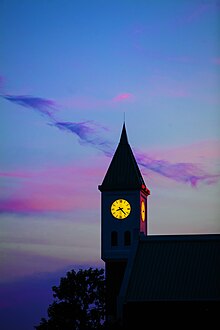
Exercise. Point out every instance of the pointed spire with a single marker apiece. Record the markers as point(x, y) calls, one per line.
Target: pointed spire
point(123, 172)
point(124, 138)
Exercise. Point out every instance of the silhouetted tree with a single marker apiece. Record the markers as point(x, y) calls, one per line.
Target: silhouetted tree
point(79, 302)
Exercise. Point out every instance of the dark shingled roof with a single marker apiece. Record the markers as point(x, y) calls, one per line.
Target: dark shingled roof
point(123, 172)
point(175, 268)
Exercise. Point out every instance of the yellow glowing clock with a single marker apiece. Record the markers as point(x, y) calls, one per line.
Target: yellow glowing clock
point(120, 209)
point(143, 211)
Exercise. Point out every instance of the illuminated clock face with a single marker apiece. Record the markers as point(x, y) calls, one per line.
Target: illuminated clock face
point(120, 209)
point(142, 211)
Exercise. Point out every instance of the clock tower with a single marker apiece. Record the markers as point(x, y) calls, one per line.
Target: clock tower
point(123, 216)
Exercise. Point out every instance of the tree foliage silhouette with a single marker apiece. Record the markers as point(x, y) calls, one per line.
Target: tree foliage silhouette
point(79, 302)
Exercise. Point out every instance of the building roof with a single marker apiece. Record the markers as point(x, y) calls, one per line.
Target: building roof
point(174, 268)
point(123, 172)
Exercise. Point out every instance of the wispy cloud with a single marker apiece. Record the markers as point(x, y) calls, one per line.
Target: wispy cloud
point(91, 133)
point(51, 190)
point(88, 134)
point(180, 172)
point(41, 105)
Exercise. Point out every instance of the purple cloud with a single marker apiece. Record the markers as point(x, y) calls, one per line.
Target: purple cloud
point(88, 132)
point(92, 134)
point(44, 106)
point(180, 172)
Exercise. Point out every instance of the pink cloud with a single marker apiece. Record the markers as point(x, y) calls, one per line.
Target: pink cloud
point(84, 102)
point(203, 151)
point(123, 97)
point(65, 189)
point(60, 189)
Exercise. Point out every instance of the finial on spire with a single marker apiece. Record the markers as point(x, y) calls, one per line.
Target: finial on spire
point(124, 117)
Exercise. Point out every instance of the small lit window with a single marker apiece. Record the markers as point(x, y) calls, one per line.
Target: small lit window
point(114, 238)
point(127, 238)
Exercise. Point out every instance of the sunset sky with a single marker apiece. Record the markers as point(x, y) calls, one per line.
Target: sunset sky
point(70, 72)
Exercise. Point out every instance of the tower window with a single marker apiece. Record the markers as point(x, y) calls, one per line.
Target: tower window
point(114, 238)
point(127, 238)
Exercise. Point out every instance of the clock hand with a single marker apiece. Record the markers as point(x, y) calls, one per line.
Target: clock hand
point(121, 209)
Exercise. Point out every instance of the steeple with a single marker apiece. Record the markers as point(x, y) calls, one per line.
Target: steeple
point(123, 217)
point(124, 138)
point(123, 172)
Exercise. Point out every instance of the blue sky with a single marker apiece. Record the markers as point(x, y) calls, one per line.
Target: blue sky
point(70, 71)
